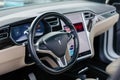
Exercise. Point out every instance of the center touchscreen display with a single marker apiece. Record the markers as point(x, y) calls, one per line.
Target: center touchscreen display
point(76, 19)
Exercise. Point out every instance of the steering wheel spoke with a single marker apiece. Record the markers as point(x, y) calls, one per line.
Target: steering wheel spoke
point(62, 62)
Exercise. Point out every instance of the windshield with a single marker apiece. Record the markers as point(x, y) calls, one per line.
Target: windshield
point(6, 4)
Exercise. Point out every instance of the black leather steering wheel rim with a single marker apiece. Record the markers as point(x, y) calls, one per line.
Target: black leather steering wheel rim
point(32, 49)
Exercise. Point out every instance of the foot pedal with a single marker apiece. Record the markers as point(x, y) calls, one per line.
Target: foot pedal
point(32, 76)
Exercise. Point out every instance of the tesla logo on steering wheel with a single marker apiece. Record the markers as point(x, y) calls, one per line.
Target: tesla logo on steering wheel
point(59, 42)
point(58, 39)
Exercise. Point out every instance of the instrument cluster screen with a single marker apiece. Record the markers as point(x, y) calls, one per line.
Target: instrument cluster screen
point(18, 32)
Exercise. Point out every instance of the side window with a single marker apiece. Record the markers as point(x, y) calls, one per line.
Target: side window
point(113, 1)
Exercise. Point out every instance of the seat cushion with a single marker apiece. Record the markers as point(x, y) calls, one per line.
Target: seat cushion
point(112, 67)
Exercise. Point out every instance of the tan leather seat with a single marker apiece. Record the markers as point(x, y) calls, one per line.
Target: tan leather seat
point(112, 67)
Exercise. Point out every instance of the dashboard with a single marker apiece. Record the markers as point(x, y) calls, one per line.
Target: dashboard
point(18, 32)
point(89, 19)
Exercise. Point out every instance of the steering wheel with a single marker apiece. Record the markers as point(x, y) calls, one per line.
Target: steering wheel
point(54, 43)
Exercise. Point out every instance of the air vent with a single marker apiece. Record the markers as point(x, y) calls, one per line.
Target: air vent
point(53, 21)
point(4, 33)
point(89, 15)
